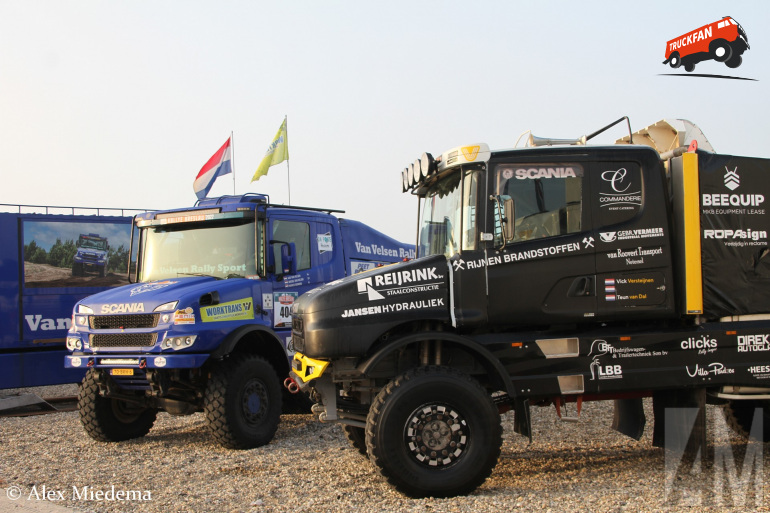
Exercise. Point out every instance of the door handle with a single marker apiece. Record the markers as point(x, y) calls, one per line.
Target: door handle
point(582, 286)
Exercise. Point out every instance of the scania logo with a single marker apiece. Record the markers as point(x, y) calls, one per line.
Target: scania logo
point(119, 308)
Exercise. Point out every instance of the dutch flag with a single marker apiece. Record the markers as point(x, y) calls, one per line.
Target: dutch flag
point(219, 164)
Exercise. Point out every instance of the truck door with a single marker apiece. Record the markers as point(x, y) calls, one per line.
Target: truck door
point(633, 256)
point(543, 272)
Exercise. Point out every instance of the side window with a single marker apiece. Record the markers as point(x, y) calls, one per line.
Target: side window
point(620, 191)
point(547, 199)
point(296, 232)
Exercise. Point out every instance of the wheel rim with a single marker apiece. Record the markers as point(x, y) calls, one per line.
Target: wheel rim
point(254, 401)
point(126, 412)
point(436, 435)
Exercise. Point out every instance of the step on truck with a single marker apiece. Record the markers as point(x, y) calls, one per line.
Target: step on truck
point(547, 275)
point(205, 325)
point(39, 285)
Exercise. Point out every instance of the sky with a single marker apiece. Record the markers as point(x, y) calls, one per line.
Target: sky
point(118, 104)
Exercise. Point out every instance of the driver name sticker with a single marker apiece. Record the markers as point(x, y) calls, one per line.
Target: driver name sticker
point(239, 310)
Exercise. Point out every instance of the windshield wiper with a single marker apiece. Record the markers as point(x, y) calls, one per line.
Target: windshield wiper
point(199, 274)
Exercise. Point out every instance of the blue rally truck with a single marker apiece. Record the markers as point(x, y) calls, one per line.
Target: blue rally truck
point(38, 288)
point(91, 255)
point(206, 324)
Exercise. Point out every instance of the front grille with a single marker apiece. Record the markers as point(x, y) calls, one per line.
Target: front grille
point(117, 322)
point(92, 258)
point(123, 340)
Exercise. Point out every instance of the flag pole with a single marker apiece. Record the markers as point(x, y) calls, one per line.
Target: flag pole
point(288, 174)
point(232, 158)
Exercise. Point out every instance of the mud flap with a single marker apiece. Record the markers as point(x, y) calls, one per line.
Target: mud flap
point(521, 419)
point(680, 421)
point(628, 417)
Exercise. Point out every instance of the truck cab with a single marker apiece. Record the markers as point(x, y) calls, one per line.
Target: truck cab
point(205, 325)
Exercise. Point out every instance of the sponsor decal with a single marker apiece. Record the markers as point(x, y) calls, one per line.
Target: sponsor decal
point(461, 265)
point(397, 307)
point(642, 233)
point(753, 343)
point(702, 344)
point(634, 256)
point(159, 361)
point(147, 287)
point(283, 302)
point(400, 282)
point(185, 316)
point(380, 250)
point(712, 369)
point(600, 348)
point(121, 308)
point(621, 197)
point(38, 322)
point(732, 179)
point(732, 200)
point(360, 267)
point(241, 309)
point(758, 371)
point(748, 234)
point(324, 242)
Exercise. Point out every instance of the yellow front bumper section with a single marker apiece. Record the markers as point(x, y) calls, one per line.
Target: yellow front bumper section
point(307, 369)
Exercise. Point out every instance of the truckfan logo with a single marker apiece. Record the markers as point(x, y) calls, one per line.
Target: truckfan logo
point(732, 180)
point(721, 41)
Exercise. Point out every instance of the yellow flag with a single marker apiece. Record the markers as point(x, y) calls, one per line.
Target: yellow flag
point(276, 153)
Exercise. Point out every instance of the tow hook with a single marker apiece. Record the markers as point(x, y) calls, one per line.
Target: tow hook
point(291, 385)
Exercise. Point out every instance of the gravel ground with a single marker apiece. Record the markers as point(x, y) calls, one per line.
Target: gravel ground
point(310, 466)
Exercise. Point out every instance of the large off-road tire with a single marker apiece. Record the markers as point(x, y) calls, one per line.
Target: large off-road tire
point(111, 420)
point(434, 431)
point(739, 415)
point(243, 402)
point(357, 437)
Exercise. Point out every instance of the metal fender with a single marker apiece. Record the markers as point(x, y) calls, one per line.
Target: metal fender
point(228, 344)
point(487, 359)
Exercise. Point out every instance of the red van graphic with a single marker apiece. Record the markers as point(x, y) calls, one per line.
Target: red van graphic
point(724, 41)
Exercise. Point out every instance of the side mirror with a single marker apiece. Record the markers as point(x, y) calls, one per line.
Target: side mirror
point(506, 214)
point(288, 260)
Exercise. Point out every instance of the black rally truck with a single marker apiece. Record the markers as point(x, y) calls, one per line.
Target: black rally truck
point(546, 276)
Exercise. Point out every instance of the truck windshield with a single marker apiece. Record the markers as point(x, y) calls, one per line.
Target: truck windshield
point(210, 249)
point(90, 243)
point(448, 215)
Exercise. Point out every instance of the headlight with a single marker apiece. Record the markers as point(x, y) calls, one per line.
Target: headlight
point(83, 309)
point(74, 343)
point(177, 342)
point(167, 307)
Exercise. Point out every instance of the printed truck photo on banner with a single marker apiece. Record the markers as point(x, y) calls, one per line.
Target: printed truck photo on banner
point(72, 254)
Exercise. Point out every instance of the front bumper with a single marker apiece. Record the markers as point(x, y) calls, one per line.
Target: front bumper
point(304, 370)
point(128, 361)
